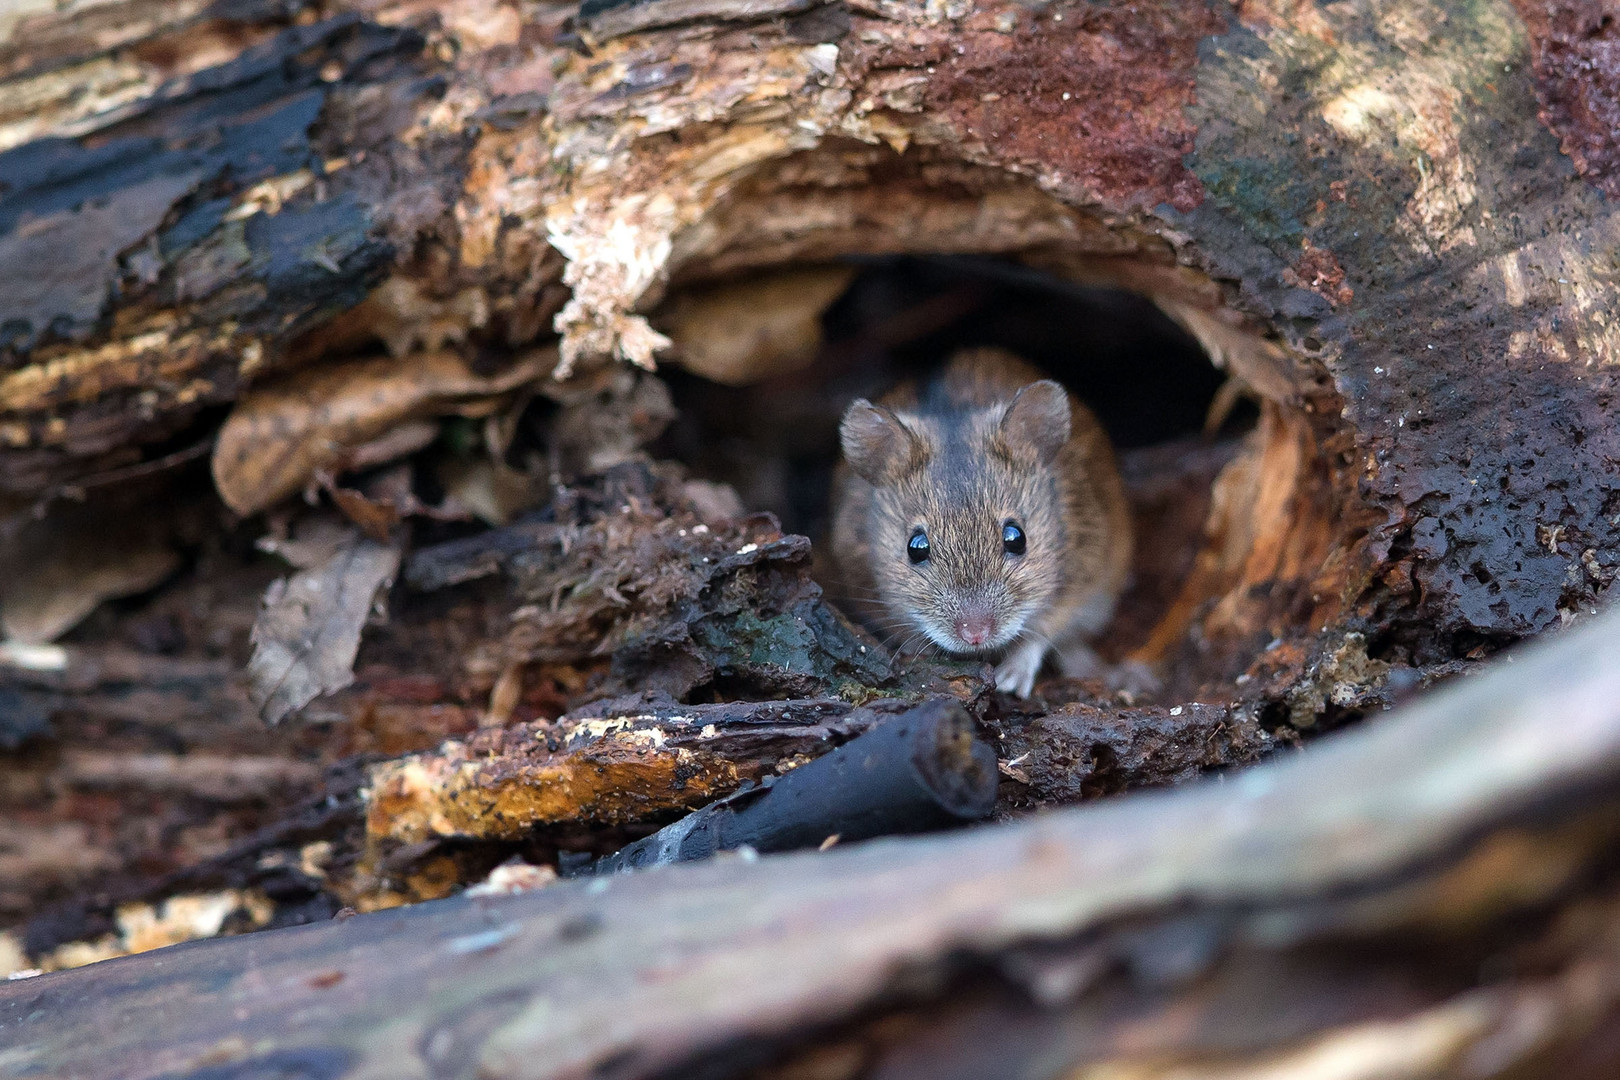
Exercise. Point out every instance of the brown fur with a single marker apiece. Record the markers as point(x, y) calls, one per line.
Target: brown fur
point(983, 442)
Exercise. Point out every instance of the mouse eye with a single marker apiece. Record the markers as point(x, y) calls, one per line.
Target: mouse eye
point(1012, 538)
point(917, 547)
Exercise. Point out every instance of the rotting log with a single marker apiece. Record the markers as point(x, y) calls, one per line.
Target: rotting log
point(584, 783)
point(1389, 226)
point(1429, 894)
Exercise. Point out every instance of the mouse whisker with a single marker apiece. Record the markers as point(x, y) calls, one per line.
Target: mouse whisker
point(909, 644)
point(888, 627)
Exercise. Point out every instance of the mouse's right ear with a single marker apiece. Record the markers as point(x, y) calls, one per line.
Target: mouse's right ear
point(877, 443)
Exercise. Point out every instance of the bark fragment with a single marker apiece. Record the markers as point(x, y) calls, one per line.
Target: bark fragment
point(281, 434)
point(1081, 751)
point(919, 771)
point(621, 763)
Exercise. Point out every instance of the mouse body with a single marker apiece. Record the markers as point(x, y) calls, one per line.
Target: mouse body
point(982, 511)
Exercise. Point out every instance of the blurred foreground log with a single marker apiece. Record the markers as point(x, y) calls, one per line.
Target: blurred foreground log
point(1433, 896)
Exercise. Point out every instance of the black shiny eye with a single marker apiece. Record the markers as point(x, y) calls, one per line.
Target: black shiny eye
point(917, 547)
point(1012, 538)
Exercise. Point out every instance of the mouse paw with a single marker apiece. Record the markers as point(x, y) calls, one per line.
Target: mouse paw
point(1016, 674)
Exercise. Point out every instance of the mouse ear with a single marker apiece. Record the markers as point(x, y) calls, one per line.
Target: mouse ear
point(877, 444)
point(1036, 424)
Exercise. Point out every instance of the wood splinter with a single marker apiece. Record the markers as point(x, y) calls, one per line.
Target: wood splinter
point(921, 771)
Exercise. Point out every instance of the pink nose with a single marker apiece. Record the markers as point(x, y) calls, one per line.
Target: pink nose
point(975, 627)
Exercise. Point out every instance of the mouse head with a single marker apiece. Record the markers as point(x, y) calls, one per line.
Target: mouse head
point(967, 526)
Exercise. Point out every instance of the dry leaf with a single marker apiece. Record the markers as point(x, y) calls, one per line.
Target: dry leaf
point(331, 417)
point(307, 635)
point(384, 500)
point(375, 517)
point(57, 569)
point(741, 332)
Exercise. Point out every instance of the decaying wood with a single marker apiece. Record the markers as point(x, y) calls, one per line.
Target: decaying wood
point(304, 240)
point(633, 568)
point(916, 772)
point(386, 181)
point(634, 762)
point(1432, 890)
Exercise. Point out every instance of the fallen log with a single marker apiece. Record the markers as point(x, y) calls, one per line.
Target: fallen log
point(1431, 890)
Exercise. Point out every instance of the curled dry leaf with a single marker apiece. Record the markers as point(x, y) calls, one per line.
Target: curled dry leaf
point(308, 632)
point(320, 418)
point(376, 517)
point(741, 332)
point(383, 501)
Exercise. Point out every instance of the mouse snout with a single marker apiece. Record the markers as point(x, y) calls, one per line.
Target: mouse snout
point(975, 624)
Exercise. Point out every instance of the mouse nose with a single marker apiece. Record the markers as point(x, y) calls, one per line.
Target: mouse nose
point(975, 625)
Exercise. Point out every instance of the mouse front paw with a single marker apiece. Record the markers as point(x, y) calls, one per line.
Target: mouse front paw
point(1016, 674)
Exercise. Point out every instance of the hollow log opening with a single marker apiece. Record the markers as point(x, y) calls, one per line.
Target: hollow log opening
point(840, 272)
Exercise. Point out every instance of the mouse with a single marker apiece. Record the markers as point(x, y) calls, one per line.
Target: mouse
point(981, 511)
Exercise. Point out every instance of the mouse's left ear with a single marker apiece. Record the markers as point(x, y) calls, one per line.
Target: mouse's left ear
point(1036, 423)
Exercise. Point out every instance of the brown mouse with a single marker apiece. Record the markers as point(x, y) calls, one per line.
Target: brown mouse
point(983, 512)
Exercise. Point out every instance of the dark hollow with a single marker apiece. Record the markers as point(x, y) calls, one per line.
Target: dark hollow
point(776, 442)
